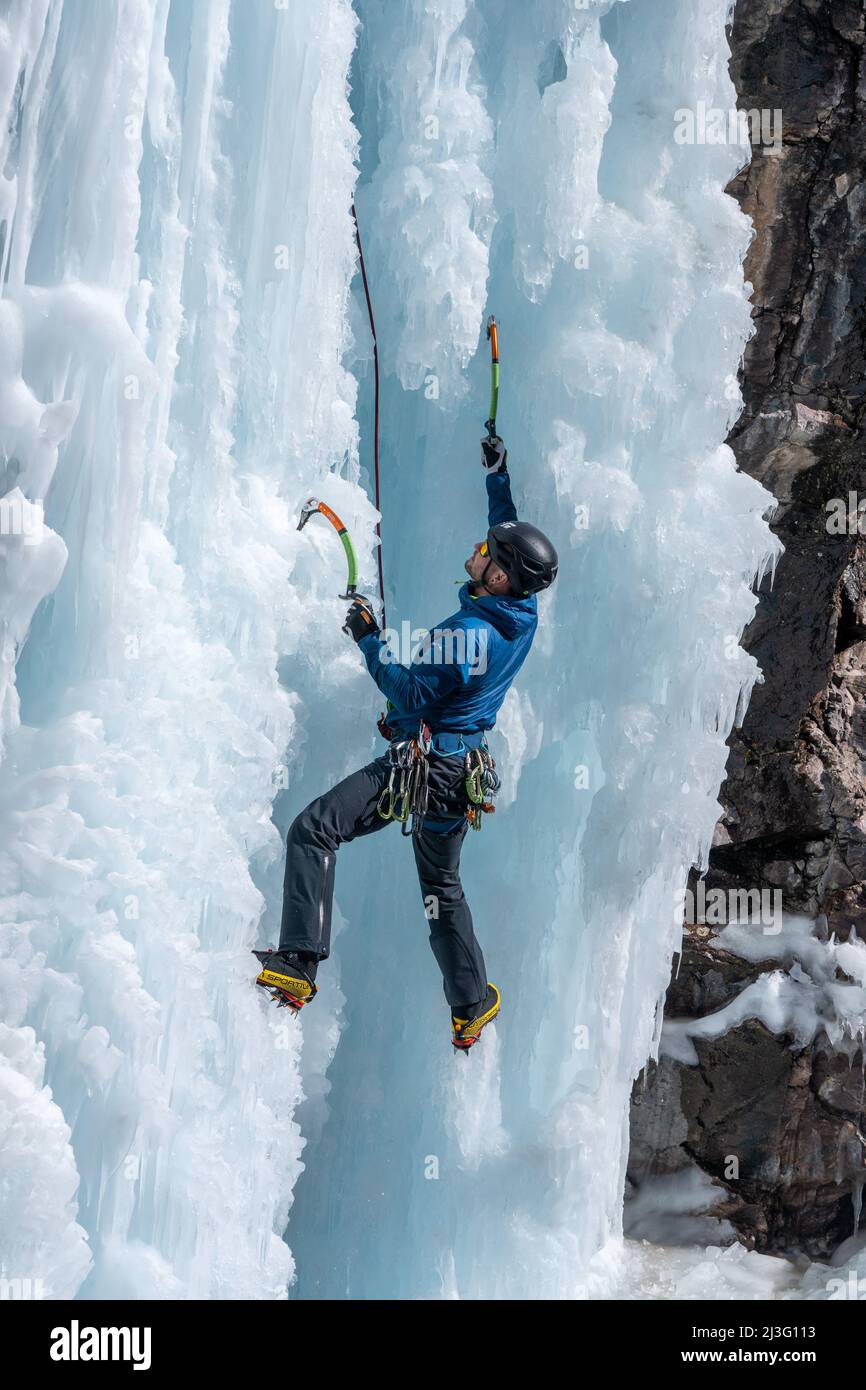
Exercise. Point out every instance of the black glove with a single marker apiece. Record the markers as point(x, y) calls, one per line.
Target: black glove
point(360, 619)
point(494, 455)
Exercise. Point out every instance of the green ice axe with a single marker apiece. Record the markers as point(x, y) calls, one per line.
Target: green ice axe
point(310, 507)
point(493, 337)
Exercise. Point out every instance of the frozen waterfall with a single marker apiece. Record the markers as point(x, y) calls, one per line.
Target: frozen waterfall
point(184, 357)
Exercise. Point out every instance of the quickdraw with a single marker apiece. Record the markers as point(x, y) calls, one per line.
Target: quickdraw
point(406, 791)
point(481, 779)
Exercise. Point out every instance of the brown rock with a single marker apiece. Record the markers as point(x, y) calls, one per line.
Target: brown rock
point(794, 795)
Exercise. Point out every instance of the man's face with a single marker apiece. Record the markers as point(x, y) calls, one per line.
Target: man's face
point(474, 566)
point(495, 580)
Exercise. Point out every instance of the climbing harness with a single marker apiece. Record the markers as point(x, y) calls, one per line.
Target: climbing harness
point(481, 781)
point(310, 507)
point(406, 791)
point(493, 338)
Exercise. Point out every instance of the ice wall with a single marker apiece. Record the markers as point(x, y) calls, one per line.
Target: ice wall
point(176, 241)
point(178, 364)
point(614, 267)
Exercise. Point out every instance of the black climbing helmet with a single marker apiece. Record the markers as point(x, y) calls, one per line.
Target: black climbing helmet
point(525, 554)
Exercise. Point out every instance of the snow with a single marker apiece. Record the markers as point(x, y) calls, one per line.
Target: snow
point(184, 360)
point(677, 1209)
point(640, 1270)
point(821, 989)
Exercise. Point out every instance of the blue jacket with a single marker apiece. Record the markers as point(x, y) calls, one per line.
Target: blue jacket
point(460, 678)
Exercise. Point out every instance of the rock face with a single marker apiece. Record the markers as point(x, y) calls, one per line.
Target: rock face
point(794, 797)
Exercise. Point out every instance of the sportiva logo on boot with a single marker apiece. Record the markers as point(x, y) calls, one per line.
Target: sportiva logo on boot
point(77, 1343)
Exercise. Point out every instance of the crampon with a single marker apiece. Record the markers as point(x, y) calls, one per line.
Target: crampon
point(285, 979)
point(465, 1032)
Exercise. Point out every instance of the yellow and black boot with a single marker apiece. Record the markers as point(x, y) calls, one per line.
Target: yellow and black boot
point(290, 979)
point(466, 1023)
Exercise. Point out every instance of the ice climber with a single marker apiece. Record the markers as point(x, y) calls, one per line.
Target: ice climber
point(437, 768)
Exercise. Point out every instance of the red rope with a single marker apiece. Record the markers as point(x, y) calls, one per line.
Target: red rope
point(375, 408)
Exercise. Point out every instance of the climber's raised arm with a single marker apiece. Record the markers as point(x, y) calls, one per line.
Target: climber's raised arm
point(494, 459)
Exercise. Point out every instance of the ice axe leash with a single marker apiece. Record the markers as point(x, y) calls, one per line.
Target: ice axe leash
point(493, 339)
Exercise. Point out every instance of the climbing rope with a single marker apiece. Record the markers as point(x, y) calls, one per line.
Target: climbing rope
point(313, 505)
point(375, 408)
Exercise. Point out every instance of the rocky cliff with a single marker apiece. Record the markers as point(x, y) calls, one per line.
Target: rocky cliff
point(790, 1113)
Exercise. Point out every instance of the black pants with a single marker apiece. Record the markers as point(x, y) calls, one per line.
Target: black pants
point(349, 810)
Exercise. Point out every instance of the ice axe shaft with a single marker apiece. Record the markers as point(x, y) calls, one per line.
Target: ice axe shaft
point(493, 338)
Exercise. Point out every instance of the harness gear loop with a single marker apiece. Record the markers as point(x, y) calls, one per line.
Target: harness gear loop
point(493, 337)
